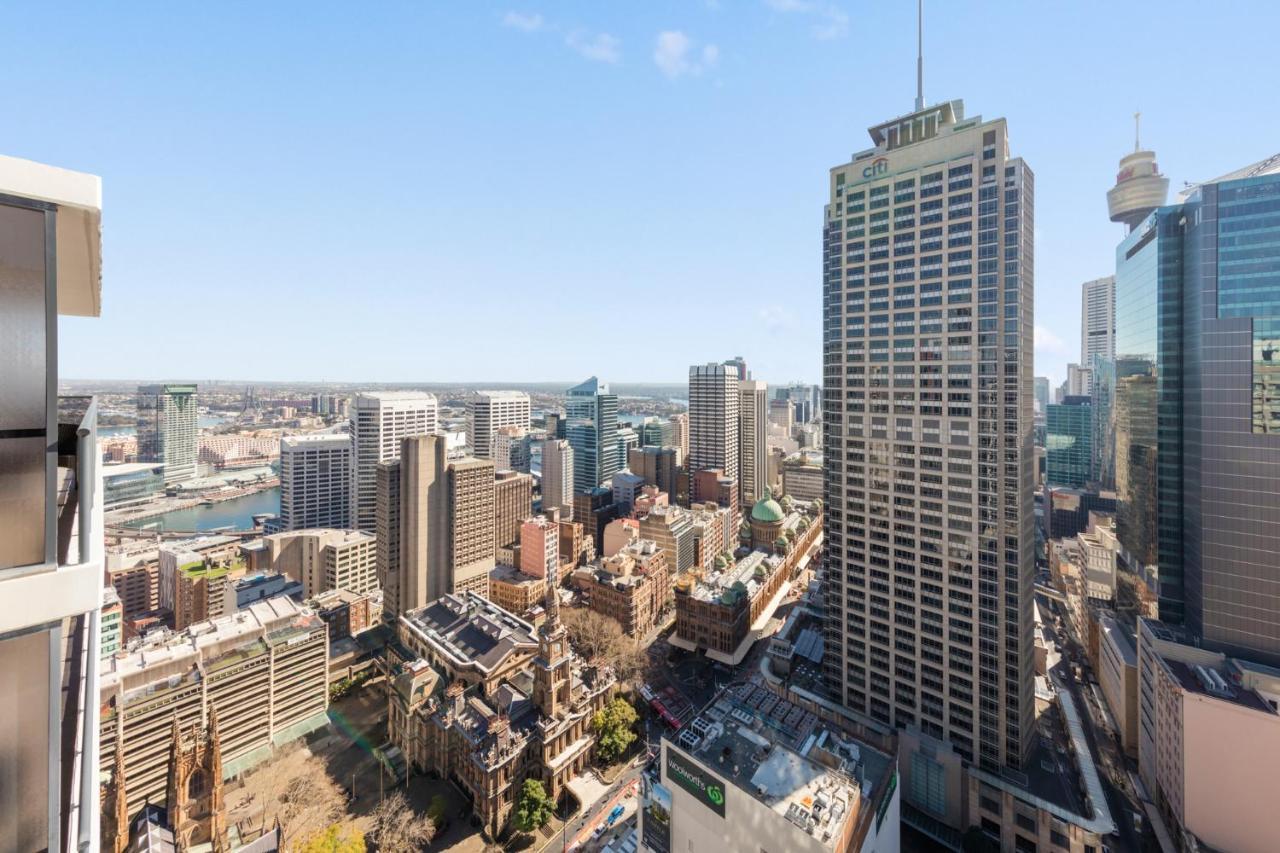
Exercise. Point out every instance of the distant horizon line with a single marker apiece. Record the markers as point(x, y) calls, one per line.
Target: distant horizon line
point(497, 386)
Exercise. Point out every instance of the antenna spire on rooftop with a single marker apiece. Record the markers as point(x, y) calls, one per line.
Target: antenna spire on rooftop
point(919, 55)
point(1137, 126)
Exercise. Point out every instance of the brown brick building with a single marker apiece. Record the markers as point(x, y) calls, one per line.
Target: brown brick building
point(633, 586)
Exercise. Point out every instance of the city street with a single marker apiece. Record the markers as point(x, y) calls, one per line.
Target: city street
point(579, 830)
point(1108, 755)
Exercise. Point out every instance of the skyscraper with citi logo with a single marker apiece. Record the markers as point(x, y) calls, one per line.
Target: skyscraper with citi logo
point(927, 418)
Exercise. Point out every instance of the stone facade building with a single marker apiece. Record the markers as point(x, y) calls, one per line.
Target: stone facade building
point(633, 586)
point(489, 702)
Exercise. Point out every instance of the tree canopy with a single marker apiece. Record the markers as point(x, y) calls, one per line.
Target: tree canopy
point(614, 728)
point(534, 808)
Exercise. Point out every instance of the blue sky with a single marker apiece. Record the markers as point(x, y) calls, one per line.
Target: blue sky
point(541, 191)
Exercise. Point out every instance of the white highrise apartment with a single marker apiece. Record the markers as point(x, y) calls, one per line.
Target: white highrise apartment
point(315, 481)
point(713, 418)
point(379, 419)
point(753, 431)
point(557, 477)
point(927, 421)
point(489, 411)
point(1097, 319)
point(169, 429)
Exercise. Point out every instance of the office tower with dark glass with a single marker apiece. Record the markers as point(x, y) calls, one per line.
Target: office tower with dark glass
point(169, 429)
point(591, 415)
point(1069, 442)
point(1197, 408)
point(927, 418)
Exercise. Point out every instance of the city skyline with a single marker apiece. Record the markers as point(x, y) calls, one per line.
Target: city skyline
point(271, 125)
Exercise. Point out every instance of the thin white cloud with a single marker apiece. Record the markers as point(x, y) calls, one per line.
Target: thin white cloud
point(833, 24)
point(1047, 342)
point(789, 5)
point(676, 55)
point(597, 47)
point(600, 47)
point(529, 23)
point(830, 21)
point(775, 318)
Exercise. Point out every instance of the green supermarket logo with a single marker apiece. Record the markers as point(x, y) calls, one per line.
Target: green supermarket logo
point(707, 788)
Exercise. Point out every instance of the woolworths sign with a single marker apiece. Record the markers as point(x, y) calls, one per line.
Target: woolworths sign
point(708, 789)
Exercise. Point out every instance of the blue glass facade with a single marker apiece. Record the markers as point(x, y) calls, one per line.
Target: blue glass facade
point(1069, 443)
point(591, 413)
point(1196, 412)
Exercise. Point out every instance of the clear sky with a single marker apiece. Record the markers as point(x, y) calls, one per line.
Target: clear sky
point(477, 192)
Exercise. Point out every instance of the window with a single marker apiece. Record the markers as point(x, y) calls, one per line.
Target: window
point(928, 784)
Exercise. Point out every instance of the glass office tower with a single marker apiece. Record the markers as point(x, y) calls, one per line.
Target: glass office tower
point(1069, 442)
point(591, 416)
point(1197, 452)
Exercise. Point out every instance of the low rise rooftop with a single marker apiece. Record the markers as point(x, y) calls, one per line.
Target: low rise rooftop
point(784, 756)
point(467, 628)
point(743, 578)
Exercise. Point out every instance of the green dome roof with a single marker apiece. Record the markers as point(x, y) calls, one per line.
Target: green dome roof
point(767, 509)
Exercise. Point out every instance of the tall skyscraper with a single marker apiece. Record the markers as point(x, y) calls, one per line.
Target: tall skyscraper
point(509, 448)
point(657, 465)
point(713, 418)
point(489, 411)
point(1042, 393)
point(388, 535)
point(682, 434)
point(927, 421)
point(51, 543)
point(1079, 381)
point(739, 367)
point(169, 429)
point(447, 515)
point(557, 477)
point(1097, 319)
point(753, 430)
point(1197, 411)
point(472, 511)
point(379, 420)
point(1069, 442)
point(424, 525)
point(512, 504)
point(591, 414)
point(315, 481)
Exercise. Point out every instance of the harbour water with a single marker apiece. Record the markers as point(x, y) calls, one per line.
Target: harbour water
point(206, 422)
point(235, 514)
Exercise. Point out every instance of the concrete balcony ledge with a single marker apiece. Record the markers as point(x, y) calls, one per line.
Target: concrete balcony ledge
point(74, 584)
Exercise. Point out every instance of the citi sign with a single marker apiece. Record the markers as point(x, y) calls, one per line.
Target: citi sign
point(878, 166)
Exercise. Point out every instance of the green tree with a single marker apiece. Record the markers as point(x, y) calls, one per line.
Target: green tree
point(534, 808)
point(613, 725)
point(335, 839)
